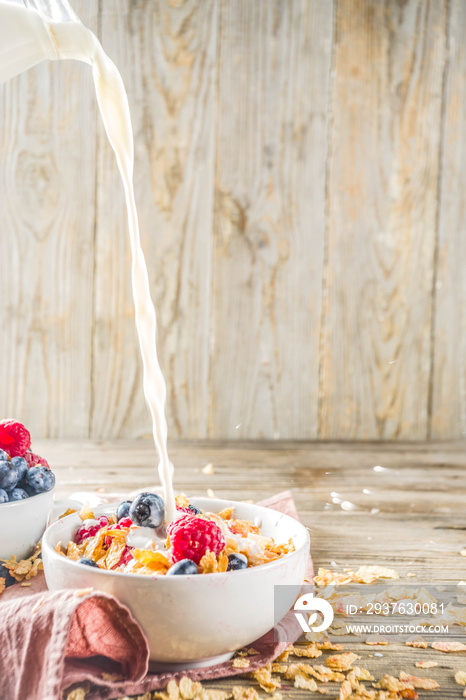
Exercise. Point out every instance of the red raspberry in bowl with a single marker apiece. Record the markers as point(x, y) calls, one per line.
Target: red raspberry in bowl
point(14, 438)
point(34, 460)
point(191, 537)
point(90, 529)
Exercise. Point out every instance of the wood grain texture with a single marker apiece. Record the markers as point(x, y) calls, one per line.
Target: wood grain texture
point(167, 56)
point(299, 175)
point(47, 174)
point(410, 516)
point(384, 169)
point(274, 76)
point(449, 375)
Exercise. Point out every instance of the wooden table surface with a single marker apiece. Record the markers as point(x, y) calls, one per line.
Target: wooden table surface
point(409, 514)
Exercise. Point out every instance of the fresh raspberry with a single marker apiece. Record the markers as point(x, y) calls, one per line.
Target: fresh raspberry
point(34, 460)
point(124, 522)
point(86, 531)
point(191, 537)
point(14, 438)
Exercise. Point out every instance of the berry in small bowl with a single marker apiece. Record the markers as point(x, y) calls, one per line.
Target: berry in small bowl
point(26, 491)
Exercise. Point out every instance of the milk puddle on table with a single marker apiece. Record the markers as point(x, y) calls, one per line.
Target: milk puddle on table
point(71, 40)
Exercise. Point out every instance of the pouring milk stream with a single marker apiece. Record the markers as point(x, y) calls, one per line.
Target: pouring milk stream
point(34, 30)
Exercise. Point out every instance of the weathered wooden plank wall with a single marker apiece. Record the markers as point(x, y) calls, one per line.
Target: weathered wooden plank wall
point(300, 167)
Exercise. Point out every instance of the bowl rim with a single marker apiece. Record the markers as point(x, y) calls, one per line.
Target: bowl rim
point(18, 504)
point(55, 556)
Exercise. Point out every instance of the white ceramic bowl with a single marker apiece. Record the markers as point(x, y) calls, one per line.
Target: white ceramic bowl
point(22, 524)
point(199, 619)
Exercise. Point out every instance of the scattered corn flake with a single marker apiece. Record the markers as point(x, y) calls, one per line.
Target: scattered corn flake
point(327, 645)
point(2, 584)
point(415, 682)
point(25, 568)
point(251, 651)
point(460, 677)
point(376, 640)
point(240, 692)
point(326, 675)
point(448, 646)
point(211, 493)
point(285, 654)
point(391, 683)
point(25, 584)
point(293, 670)
point(416, 643)
point(322, 691)
point(426, 664)
point(315, 637)
point(362, 674)
point(80, 692)
point(325, 577)
point(463, 552)
point(341, 662)
point(310, 651)
point(189, 689)
point(368, 574)
point(173, 690)
point(305, 682)
point(86, 513)
point(112, 677)
point(345, 690)
point(208, 469)
point(240, 663)
point(263, 676)
point(81, 592)
point(411, 575)
point(279, 668)
point(213, 694)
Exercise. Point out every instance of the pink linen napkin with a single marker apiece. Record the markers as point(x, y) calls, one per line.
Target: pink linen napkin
point(51, 640)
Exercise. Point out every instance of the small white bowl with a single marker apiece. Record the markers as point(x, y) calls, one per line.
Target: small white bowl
point(22, 524)
point(197, 620)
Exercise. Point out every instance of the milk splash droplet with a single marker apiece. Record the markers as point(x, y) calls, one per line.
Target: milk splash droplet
point(347, 505)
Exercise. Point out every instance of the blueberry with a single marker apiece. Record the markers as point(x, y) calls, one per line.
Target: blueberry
point(8, 476)
point(183, 567)
point(123, 510)
point(3, 496)
point(40, 479)
point(147, 510)
point(88, 562)
point(237, 562)
point(193, 509)
point(5, 573)
point(3, 456)
point(18, 495)
point(21, 466)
